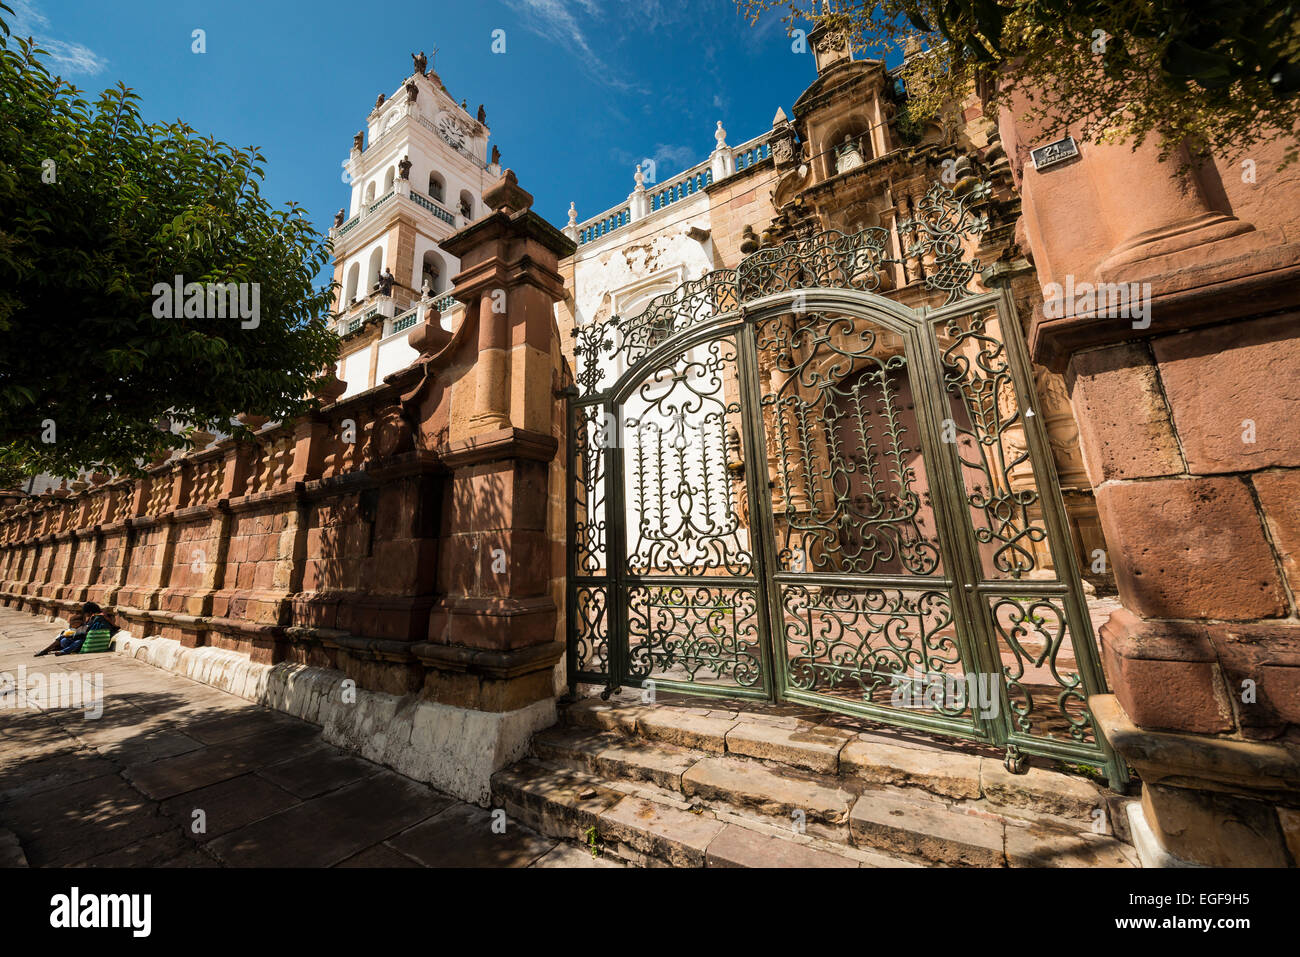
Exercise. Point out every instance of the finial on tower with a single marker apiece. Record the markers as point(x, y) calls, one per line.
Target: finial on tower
point(639, 177)
point(573, 214)
point(720, 137)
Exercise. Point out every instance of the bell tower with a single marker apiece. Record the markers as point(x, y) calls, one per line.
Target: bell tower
point(417, 173)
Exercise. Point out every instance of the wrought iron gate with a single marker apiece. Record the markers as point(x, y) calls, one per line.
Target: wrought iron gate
point(787, 486)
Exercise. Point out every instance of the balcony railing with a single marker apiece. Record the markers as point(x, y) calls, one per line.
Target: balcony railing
point(726, 160)
point(692, 182)
point(433, 207)
point(747, 154)
point(406, 320)
point(605, 225)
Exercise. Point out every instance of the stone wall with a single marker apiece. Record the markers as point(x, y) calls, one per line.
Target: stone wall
point(409, 537)
point(1187, 421)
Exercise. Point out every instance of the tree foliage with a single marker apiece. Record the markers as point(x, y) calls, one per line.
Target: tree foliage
point(97, 207)
point(1221, 75)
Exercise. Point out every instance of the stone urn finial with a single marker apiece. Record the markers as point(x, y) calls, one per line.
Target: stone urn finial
point(506, 195)
point(252, 422)
point(640, 178)
point(329, 388)
point(720, 137)
point(748, 241)
point(200, 439)
point(573, 214)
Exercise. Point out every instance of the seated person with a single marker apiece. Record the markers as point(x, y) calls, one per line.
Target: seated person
point(79, 625)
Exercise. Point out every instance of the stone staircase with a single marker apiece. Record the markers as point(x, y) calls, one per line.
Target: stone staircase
point(682, 785)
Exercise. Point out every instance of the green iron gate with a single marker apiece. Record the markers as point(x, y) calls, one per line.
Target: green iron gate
point(789, 487)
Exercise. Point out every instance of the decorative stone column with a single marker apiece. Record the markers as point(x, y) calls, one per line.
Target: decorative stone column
point(1187, 416)
point(492, 648)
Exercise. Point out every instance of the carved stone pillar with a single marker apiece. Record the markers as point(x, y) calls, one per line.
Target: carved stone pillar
point(491, 401)
point(1181, 412)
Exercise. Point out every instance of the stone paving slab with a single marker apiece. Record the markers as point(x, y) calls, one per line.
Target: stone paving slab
point(950, 774)
point(227, 806)
point(121, 790)
point(467, 836)
point(332, 828)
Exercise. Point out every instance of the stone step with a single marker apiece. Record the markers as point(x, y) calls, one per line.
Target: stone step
point(860, 760)
point(579, 775)
point(649, 828)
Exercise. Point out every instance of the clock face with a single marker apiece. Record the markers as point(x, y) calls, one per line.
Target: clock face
point(393, 117)
point(450, 130)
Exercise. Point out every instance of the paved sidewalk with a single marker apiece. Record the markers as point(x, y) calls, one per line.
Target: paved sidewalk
point(177, 774)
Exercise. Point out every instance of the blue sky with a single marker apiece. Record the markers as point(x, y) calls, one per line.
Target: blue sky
point(584, 90)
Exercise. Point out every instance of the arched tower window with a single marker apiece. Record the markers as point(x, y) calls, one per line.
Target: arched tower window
point(466, 204)
point(370, 192)
point(436, 187)
point(376, 266)
point(350, 289)
point(433, 269)
point(388, 179)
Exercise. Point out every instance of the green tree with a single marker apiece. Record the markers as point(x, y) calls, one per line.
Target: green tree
point(97, 209)
point(1219, 75)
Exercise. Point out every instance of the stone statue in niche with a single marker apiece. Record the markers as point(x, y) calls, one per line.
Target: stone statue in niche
point(358, 140)
point(420, 62)
point(482, 115)
point(404, 168)
point(386, 282)
point(496, 156)
point(412, 91)
point(848, 156)
point(379, 101)
point(338, 219)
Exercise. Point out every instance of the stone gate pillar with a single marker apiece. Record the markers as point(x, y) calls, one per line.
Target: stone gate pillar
point(1183, 369)
point(493, 641)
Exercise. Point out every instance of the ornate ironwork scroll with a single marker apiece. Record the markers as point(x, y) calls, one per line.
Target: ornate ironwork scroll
point(695, 633)
point(682, 514)
point(1000, 488)
point(1044, 689)
point(852, 493)
point(936, 234)
point(870, 642)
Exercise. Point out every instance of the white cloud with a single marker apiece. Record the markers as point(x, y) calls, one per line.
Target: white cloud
point(64, 56)
point(674, 157)
point(554, 20)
